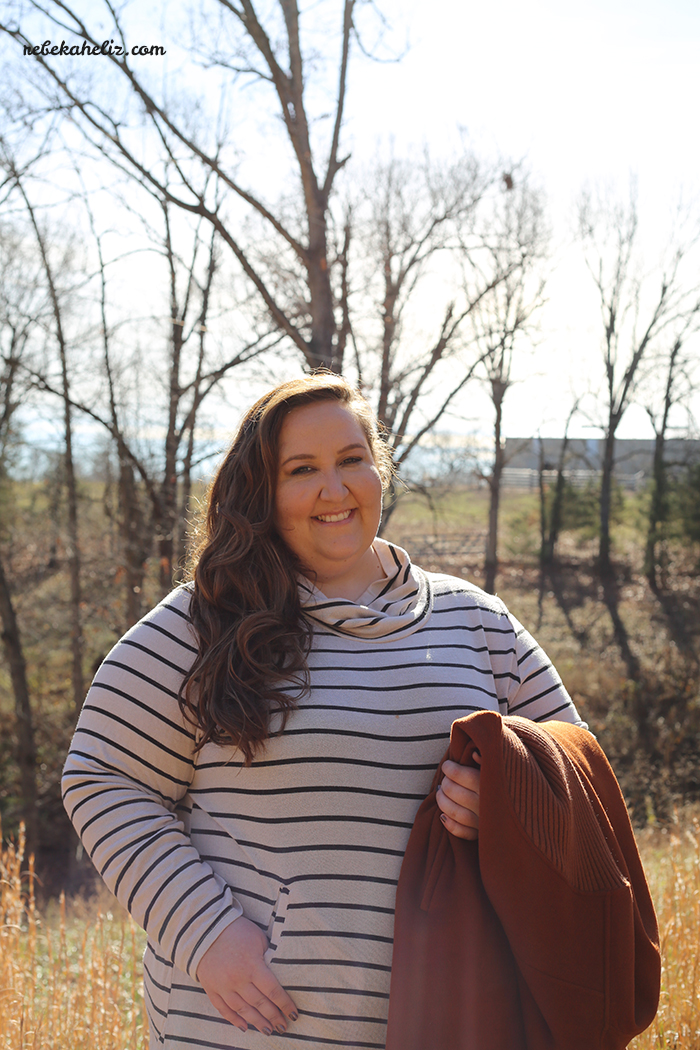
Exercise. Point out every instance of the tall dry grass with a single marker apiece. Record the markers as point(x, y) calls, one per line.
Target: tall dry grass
point(671, 858)
point(73, 982)
point(67, 982)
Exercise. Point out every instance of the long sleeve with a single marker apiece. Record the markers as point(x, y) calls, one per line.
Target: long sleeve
point(128, 770)
point(535, 690)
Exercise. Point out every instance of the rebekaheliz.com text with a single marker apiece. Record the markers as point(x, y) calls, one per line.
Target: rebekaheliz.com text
point(107, 47)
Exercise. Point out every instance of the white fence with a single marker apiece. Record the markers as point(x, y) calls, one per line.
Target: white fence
point(526, 478)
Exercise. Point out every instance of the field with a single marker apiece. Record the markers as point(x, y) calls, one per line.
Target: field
point(70, 975)
point(70, 971)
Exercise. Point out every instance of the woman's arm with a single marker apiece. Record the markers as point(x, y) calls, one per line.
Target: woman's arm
point(130, 764)
point(534, 690)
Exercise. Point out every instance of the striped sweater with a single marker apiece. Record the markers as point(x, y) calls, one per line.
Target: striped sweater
point(308, 841)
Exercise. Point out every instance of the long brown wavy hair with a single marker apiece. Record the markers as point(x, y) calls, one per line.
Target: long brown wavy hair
point(253, 639)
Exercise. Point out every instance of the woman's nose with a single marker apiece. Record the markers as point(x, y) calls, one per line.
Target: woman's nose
point(333, 486)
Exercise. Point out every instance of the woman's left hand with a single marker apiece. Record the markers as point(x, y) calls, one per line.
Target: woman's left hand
point(458, 798)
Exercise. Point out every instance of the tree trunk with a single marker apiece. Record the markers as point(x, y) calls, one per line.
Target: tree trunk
point(76, 634)
point(658, 509)
point(135, 547)
point(77, 679)
point(557, 509)
point(543, 506)
point(26, 746)
point(491, 560)
point(606, 480)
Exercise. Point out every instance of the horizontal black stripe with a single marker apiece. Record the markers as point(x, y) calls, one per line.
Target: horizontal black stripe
point(332, 933)
point(311, 877)
point(323, 818)
point(426, 664)
point(300, 848)
point(363, 992)
point(391, 712)
point(344, 1017)
point(317, 760)
point(355, 963)
point(423, 645)
point(307, 789)
point(343, 906)
point(400, 687)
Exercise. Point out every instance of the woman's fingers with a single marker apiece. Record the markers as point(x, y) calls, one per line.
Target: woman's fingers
point(226, 1011)
point(458, 799)
point(265, 1004)
point(239, 982)
point(251, 1007)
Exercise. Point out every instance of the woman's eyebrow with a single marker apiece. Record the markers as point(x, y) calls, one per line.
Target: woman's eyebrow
point(309, 455)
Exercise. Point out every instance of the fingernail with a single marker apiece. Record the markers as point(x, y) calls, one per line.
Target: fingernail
point(267, 1031)
point(294, 1017)
point(443, 818)
point(281, 1029)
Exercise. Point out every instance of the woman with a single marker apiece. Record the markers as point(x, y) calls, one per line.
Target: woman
point(251, 755)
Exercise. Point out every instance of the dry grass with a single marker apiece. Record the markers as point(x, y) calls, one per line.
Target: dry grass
point(74, 983)
point(67, 982)
point(672, 860)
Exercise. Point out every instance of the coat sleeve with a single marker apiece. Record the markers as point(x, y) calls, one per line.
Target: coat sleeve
point(126, 776)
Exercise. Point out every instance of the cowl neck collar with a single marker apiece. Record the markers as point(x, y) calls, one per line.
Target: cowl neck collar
point(390, 608)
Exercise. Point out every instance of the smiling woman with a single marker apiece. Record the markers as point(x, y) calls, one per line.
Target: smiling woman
point(251, 756)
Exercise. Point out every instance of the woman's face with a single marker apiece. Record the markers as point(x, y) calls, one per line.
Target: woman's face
point(328, 497)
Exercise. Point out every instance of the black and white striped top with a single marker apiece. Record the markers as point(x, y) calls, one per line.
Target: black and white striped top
point(308, 841)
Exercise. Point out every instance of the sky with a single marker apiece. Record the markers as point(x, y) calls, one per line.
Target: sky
point(592, 92)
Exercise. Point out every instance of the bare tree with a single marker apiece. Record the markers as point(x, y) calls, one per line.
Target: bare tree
point(154, 487)
point(20, 297)
point(636, 310)
point(679, 384)
point(551, 517)
point(503, 325)
point(417, 227)
point(57, 305)
point(239, 47)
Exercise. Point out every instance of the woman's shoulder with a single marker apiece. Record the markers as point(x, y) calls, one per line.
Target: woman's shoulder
point(459, 593)
point(169, 619)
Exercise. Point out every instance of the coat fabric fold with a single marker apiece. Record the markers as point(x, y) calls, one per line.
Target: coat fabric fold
point(541, 935)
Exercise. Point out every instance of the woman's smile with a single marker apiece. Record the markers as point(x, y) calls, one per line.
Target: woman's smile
point(328, 519)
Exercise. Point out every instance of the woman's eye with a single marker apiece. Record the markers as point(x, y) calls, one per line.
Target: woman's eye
point(301, 470)
point(353, 459)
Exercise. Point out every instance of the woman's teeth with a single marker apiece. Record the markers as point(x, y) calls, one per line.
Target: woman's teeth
point(334, 517)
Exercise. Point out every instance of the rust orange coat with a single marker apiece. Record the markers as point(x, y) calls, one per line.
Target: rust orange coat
point(541, 935)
